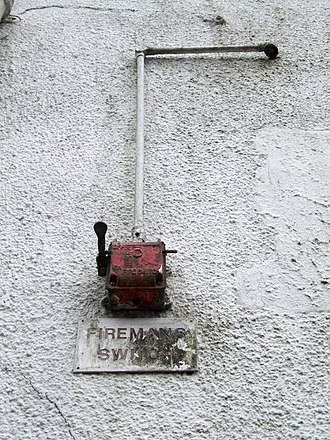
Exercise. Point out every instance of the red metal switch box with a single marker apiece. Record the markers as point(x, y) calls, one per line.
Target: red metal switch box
point(136, 276)
point(135, 273)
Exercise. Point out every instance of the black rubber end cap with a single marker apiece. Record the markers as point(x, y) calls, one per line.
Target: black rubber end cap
point(100, 229)
point(271, 51)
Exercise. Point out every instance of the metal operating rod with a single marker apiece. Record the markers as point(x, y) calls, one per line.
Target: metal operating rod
point(270, 50)
point(138, 233)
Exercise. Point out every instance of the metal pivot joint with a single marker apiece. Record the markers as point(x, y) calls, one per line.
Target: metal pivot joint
point(135, 271)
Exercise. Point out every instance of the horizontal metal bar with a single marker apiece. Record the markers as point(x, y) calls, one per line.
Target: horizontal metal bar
point(269, 49)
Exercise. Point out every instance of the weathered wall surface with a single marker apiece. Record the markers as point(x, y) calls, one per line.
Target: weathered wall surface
point(236, 180)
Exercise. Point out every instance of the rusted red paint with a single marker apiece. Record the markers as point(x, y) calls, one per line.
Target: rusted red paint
point(136, 276)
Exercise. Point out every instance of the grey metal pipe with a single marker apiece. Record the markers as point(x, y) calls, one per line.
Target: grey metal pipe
point(270, 50)
point(138, 232)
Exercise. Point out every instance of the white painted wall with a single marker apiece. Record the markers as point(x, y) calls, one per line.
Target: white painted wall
point(237, 181)
point(5, 8)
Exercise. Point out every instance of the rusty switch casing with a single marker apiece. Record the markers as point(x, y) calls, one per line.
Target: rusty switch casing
point(135, 273)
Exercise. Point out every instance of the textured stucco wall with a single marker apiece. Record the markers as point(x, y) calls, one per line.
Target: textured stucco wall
point(237, 180)
point(5, 8)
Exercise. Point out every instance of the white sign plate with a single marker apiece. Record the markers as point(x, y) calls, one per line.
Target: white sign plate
point(118, 345)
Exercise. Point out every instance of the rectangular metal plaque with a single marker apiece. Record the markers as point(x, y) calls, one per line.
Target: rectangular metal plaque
point(135, 345)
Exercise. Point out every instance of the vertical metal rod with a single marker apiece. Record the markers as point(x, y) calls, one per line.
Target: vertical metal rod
point(138, 233)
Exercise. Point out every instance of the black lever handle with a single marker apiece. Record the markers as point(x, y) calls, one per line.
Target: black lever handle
point(100, 229)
